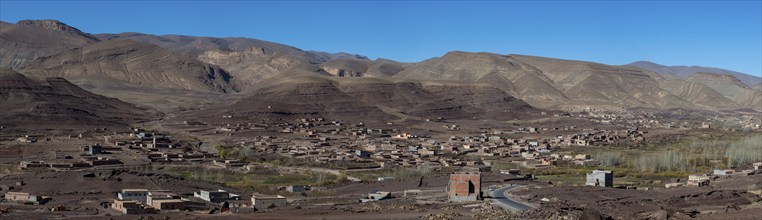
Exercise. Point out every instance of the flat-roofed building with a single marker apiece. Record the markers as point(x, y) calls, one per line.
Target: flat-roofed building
point(131, 207)
point(140, 195)
point(133, 194)
point(263, 202)
point(22, 197)
point(699, 180)
point(215, 196)
point(604, 178)
point(168, 204)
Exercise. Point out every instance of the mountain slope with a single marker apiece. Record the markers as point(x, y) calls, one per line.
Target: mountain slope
point(546, 82)
point(731, 88)
point(683, 72)
point(298, 93)
point(30, 39)
point(138, 73)
point(600, 84)
point(249, 60)
point(697, 93)
point(192, 46)
point(56, 103)
point(359, 68)
point(132, 62)
point(256, 64)
point(516, 78)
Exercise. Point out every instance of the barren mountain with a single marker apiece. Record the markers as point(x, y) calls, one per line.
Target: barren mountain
point(57, 103)
point(135, 63)
point(194, 46)
point(345, 68)
point(299, 93)
point(337, 56)
point(384, 67)
point(731, 88)
point(185, 72)
point(594, 83)
point(30, 39)
point(249, 60)
point(697, 93)
point(546, 82)
point(683, 72)
point(136, 72)
point(255, 64)
point(360, 68)
point(505, 72)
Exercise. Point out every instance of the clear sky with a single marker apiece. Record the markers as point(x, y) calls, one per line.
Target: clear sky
point(706, 33)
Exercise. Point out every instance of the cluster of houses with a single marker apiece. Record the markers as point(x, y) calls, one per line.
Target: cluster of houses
point(650, 120)
point(89, 159)
point(615, 116)
point(703, 179)
point(157, 148)
point(379, 147)
point(465, 186)
point(605, 178)
point(144, 201)
point(323, 142)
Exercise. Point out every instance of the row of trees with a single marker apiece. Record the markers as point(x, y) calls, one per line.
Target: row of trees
point(695, 156)
point(744, 151)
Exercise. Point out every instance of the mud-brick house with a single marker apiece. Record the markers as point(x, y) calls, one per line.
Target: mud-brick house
point(26, 198)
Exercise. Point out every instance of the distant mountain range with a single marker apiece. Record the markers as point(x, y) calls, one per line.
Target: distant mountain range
point(206, 76)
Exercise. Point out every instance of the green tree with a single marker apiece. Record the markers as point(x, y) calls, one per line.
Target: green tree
point(221, 150)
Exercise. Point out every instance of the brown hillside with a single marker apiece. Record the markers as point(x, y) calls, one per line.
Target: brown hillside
point(57, 103)
point(731, 88)
point(139, 73)
point(30, 39)
point(360, 68)
point(298, 94)
point(518, 79)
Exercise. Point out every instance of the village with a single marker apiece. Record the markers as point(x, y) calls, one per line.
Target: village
point(352, 153)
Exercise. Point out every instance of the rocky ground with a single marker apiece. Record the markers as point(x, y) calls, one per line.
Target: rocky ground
point(723, 199)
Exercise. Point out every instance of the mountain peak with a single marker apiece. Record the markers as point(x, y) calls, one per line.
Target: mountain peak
point(54, 25)
point(643, 62)
point(471, 55)
point(339, 56)
point(49, 24)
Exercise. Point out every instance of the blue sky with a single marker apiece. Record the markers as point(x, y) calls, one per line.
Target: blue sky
point(706, 33)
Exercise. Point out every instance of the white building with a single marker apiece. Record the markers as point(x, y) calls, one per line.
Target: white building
point(140, 195)
point(133, 194)
point(215, 195)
